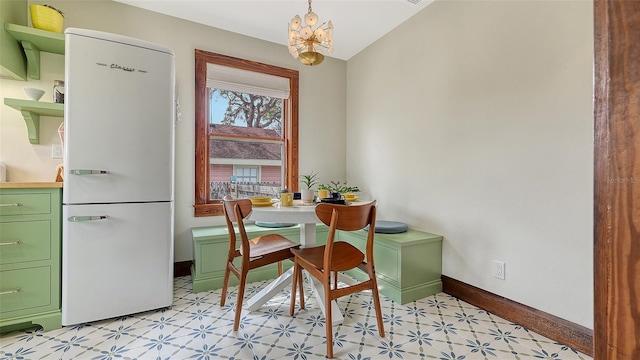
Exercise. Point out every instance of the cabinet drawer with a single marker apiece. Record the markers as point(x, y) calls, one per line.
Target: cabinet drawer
point(24, 290)
point(22, 241)
point(25, 204)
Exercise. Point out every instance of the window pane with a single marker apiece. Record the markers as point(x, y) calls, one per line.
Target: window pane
point(230, 111)
point(244, 168)
point(236, 164)
point(246, 175)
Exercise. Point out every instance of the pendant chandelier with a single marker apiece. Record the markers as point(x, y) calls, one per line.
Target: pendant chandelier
point(306, 44)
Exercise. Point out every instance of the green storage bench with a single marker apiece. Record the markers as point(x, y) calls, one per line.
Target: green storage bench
point(408, 264)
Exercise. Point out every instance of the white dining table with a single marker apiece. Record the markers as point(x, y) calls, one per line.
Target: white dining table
point(305, 215)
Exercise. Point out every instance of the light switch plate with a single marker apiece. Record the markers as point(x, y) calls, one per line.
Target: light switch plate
point(56, 151)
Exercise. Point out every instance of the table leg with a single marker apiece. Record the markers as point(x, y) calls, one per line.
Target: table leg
point(270, 290)
point(307, 238)
point(346, 279)
point(318, 292)
point(308, 235)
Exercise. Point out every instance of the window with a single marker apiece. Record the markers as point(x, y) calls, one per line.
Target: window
point(234, 146)
point(246, 174)
point(245, 129)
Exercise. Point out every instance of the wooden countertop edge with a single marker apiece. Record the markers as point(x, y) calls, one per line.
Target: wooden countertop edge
point(26, 185)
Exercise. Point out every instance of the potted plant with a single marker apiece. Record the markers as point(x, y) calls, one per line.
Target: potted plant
point(336, 187)
point(339, 187)
point(308, 180)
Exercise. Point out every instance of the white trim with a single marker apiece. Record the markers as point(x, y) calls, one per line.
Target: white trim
point(244, 162)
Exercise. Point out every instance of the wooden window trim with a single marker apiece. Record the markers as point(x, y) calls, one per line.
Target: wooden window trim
point(202, 205)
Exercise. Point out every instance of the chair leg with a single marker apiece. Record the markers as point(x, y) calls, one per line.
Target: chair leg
point(301, 285)
point(376, 304)
point(225, 283)
point(294, 283)
point(279, 268)
point(243, 280)
point(329, 317)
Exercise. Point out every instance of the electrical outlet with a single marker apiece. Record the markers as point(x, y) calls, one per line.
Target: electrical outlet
point(56, 151)
point(498, 269)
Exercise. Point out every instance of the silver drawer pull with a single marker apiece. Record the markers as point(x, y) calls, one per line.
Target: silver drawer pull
point(10, 292)
point(11, 243)
point(8, 205)
point(88, 172)
point(86, 218)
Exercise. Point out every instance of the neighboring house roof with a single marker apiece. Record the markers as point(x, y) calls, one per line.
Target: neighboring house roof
point(224, 149)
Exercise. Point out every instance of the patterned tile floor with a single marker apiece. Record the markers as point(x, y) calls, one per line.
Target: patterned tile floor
point(196, 327)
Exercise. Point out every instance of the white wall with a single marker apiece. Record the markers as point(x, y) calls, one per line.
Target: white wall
point(474, 120)
point(322, 101)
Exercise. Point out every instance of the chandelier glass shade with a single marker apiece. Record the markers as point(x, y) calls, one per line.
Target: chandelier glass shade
point(307, 44)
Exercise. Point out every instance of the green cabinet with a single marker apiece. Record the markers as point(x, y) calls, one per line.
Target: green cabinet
point(30, 266)
point(408, 265)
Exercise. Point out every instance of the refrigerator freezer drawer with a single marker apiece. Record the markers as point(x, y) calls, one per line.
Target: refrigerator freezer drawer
point(117, 259)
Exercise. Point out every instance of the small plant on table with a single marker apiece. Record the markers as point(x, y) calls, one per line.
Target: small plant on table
point(309, 180)
point(339, 187)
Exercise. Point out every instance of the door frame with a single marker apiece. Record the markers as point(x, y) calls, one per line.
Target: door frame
point(616, 180)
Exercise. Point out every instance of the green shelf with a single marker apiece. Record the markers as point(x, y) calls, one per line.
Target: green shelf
point(33, 41)
point(31, 111)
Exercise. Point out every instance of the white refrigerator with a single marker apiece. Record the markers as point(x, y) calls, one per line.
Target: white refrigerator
point(118, 197)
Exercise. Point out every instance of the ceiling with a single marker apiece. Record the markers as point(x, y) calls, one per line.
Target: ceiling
point(357, 23)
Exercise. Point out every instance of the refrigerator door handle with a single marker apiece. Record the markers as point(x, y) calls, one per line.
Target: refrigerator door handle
point(86, 218)
point(87, 172)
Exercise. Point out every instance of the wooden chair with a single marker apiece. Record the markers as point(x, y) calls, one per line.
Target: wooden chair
point(336, 256)
point(256, 252)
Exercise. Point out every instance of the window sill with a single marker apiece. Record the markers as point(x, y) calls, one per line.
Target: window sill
point(202, 210)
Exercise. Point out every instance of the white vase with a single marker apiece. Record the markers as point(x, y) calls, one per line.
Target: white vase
point(306, 195)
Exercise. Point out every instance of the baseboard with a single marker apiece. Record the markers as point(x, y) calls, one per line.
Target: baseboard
point(565, 332)
point(182, 268)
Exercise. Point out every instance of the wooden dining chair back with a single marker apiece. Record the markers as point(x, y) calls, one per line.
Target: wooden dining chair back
point(254, 253)
point(337, 256)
